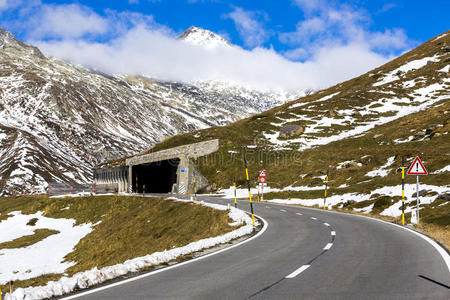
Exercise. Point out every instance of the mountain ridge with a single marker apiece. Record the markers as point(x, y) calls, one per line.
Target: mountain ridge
point(58, 120)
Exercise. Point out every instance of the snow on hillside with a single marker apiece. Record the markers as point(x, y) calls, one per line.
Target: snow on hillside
point(31, 261)
point(96, 276)
point(323, 125)
point(57, 121)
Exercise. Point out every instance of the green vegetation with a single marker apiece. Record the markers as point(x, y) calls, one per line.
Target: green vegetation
point(130, 226)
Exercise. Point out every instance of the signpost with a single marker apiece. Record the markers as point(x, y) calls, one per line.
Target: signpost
point(417, 168)
point(262, 179)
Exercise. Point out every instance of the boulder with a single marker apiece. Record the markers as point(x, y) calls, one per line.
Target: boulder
point(288, 131)
point(316, 181)
point(421, 193)
point(444, 196)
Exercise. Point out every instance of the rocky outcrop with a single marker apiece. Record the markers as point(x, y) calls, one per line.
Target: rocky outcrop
point(288, 131)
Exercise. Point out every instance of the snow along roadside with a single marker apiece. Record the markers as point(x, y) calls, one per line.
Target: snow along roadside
point(94, 276)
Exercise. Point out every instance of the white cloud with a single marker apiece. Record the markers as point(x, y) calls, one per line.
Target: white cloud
point(65, 21)
point(133, 43)
point(9, 4)
point(332, 26)
point(310, 5)
point(296, 54)
point(250, 29)
point(155, 54)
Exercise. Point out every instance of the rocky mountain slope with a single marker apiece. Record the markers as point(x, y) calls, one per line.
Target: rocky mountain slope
point(357, 130)
point(58, 120)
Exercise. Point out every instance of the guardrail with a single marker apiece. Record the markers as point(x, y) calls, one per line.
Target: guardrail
point(64, 188)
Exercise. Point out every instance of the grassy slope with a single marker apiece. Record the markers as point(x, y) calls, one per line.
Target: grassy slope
point(371, 149)
point(130, 226)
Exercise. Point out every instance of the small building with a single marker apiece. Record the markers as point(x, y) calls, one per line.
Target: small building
point(166, 171)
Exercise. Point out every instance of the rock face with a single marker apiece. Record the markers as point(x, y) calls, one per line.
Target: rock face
point(288, 131)
point(57, 121)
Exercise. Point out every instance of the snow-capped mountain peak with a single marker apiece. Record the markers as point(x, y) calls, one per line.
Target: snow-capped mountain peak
point(202, 37)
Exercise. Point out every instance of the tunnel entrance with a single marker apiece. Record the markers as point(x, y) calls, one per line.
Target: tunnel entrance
point(157, 177)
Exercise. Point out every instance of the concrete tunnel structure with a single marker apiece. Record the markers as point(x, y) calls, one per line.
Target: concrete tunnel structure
point(166, 171)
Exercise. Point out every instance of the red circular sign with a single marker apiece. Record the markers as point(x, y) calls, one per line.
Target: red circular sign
point(262, 179)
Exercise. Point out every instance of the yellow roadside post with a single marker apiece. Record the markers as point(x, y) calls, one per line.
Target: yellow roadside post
point(143, 190)
point(403, 190)
point(235, 198)
point(325, 196)
point(195, 190)
point(137, 190)
point(249, 192)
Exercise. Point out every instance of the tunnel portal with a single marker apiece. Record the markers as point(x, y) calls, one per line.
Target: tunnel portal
point(157, 177)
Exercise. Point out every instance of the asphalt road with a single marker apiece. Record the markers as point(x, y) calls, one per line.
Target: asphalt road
point(349, 257)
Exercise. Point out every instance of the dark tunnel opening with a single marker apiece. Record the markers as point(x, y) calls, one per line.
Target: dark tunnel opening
point(155, 177)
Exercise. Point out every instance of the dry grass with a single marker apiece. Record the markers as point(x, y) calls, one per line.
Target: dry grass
point(130, 227)
point(27, 240)
point(439, 233)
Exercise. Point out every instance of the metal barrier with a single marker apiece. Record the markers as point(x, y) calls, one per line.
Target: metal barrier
point(64, 188)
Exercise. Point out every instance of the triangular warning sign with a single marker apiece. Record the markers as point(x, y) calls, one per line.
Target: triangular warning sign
point(417, 168)
point(262, 173)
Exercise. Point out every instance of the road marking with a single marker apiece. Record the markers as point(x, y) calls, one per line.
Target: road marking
point(326, 224)
point(299, 214)
point(298, 271)
point(283, 210)
point(313, 218)
point(328, 246)
point(266, 224)
point(333, 233)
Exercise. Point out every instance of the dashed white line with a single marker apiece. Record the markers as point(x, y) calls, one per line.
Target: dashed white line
point(326, 224)
point(283, 210)
point(299, 214)
point(313, 218)
point(298, 271)
point(333, 233)
point(328, 246)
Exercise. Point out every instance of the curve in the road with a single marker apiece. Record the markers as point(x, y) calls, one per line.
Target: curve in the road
point(95, 290)
point(350, 257)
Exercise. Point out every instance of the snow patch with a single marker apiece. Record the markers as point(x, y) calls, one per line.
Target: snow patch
point(34, 260)
point(382, 171)
point(95, 276)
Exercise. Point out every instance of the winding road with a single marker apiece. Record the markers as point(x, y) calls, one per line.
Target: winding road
point(303, 254)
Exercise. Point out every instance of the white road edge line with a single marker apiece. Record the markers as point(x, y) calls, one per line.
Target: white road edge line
point(326, 224)
point(171, 267)
point(313, 218)
point(299, 214)
point(298, 271)
point(444, 254)
point(328, 246)
point(333, 233)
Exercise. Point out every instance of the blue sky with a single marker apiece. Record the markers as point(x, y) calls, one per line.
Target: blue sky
point(299, 36)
